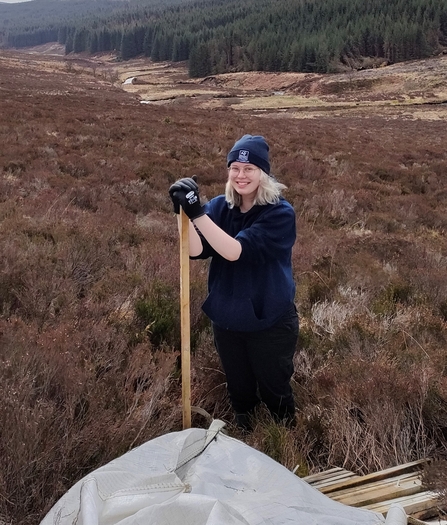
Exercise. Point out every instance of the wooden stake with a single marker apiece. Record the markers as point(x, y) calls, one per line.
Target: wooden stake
point(185, 319)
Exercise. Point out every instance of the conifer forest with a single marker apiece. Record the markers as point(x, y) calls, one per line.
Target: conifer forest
point(218, 36)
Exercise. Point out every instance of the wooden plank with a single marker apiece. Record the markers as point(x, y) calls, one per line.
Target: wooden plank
point(379, 490)
point(374, 493)
point(323, 475)
point(320, 485)
point(387, 483)
point(415, 521)
point(422, 505)
point(375, 476)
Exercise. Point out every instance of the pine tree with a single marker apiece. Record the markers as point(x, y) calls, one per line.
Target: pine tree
point(93, 43)
point(69, 42)
point(80, 40)
point(156, 48)
point(199, 61)
point(147, 42)
point(127, 45)
point(62, 34)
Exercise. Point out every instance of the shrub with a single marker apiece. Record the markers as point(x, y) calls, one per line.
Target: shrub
point(389, 299)
point(158, 313)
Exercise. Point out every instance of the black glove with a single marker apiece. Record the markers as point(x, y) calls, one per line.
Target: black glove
point(185, 193)
point(185, 185)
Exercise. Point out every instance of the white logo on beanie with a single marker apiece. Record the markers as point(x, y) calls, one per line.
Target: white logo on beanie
point(243, 155)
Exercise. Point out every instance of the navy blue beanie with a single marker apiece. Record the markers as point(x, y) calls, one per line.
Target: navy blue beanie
point(252, 149)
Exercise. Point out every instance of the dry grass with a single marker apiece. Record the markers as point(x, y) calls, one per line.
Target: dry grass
point(89, 276)
point(391, 90)
point(412, 90)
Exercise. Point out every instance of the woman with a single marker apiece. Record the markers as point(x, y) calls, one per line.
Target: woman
point(249, 233)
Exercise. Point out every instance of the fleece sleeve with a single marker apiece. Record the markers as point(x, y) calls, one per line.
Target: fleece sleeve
point(271, 236)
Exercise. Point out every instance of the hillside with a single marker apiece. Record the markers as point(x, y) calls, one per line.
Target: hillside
point(224, 36)
point(89, 281)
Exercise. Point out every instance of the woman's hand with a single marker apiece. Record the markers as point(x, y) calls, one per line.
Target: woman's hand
point(185, 193)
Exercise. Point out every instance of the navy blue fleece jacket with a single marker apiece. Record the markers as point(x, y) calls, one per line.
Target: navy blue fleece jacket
point(252, 293)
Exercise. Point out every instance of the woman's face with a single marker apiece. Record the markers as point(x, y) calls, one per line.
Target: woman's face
point(244, 178)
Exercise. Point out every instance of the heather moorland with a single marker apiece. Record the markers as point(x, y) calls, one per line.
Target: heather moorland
point(89, 262)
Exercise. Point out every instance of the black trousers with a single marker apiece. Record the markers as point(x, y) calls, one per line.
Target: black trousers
point(260, 363)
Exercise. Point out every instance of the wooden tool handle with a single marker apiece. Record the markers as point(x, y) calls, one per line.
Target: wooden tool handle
point(185, 319)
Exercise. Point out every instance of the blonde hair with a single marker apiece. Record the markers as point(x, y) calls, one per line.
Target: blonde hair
point(269, 192)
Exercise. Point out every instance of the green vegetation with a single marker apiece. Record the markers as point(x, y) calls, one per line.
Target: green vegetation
point(159, 314)
point(218, 36)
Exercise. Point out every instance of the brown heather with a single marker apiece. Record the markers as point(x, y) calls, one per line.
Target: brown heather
point(89, 282)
